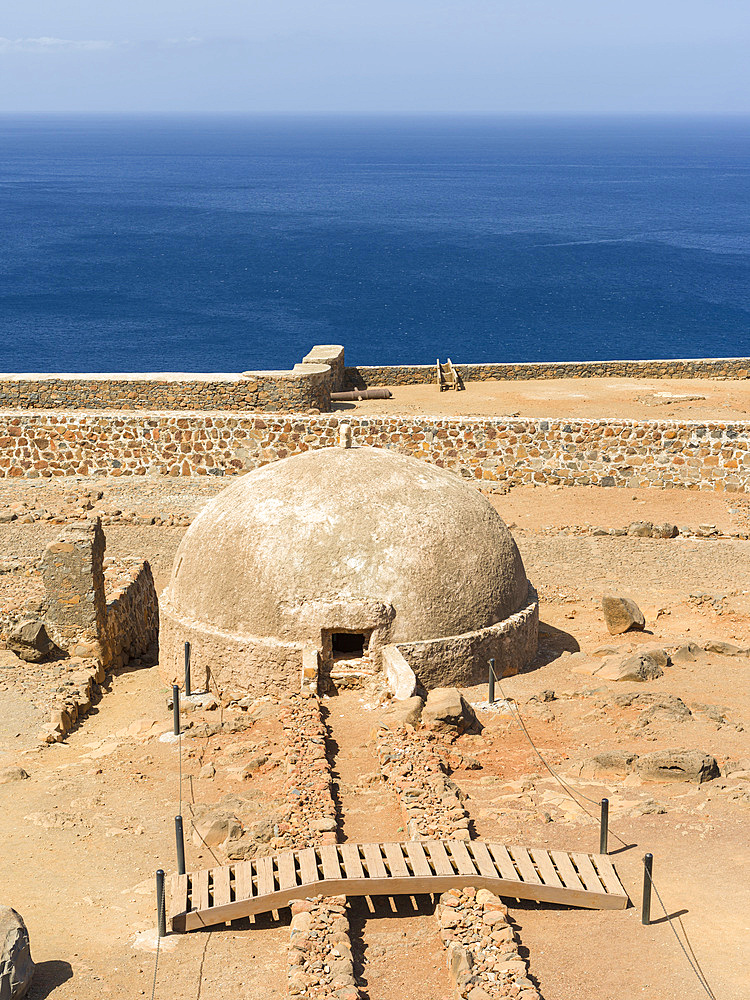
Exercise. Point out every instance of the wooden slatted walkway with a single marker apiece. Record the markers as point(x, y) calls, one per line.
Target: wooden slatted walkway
point(218, 895)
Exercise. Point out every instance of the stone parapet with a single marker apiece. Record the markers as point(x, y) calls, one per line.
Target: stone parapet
point(461, 660)
point(306, 388)
point(711, 455)
point(365, 376)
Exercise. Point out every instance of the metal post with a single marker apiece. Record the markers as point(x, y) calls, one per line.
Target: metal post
point(176, 708)
point(161, 909)
point(188, 691)
point(604, 827)
point(180, 840)
point(648, 866)
point(491, 683)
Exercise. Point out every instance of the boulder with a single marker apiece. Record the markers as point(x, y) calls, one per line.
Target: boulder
point(665, 530)
point(677, 765)
point(621, 614)
point(640, 529)
point(639, 667)
point(214, 828)
point(686, 654)
point(402, 713)
point(610, 764)
point(16, 965)
point(446, 710)
point(30, 641)
point(8, 774)
point(724, 648)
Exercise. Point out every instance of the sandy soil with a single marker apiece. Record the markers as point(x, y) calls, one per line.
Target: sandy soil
point(84, 834)
point(648, 399)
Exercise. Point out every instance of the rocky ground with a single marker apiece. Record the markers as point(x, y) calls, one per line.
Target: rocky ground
point(83, 834)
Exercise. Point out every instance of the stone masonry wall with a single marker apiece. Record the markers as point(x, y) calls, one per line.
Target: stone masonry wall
point(362, 376)
point(605, 452)
point(132, 616)
point(73, 576)
point(306, 388)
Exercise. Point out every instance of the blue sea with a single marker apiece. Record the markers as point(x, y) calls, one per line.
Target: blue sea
point(222, 244)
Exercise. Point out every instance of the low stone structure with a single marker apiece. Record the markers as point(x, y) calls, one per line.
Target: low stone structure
point(306, 388)
point(78, 617)
point(362, 376)
point(334, 556)
point(711, 455)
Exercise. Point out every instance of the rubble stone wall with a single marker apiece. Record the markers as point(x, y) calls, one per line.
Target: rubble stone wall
point(306, 388)
point(605, 452)
point(363, 376)
point(132, 616)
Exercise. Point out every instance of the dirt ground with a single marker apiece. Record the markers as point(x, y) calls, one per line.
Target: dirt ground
point(82, 836)
point(647, 399)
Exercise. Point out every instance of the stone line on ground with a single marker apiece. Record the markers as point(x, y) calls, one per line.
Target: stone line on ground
point(483, 958)
point(320, 952)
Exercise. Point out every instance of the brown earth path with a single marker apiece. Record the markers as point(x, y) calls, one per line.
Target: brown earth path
point(395, 943)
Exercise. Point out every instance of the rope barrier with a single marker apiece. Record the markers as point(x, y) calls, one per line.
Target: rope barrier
point(693, 963)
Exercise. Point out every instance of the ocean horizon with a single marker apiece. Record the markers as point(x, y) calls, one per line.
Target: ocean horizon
point(231, 243)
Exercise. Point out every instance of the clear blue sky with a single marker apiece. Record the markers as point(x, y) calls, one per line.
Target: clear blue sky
point(505, 56)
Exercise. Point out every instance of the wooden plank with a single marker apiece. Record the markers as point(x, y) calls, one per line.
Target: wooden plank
point(566, 871)
point(264, 868)
point(461, 856)
point(352, 861)
point(482, 858)
point(222, 890)
point(374, 861)
point(439, 857)
point(178, 895)
point(504, 862)
point(243, 880)
point(586, 870)
point(330, 858)
point(545, 866)
point(396, 863)
point(606, 871)
point(525, 865)
point(200, 890)
point(308, 866)
point(287, 870)
point(419, 863)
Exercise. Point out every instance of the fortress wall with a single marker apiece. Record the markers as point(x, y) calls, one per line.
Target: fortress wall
point(605, 452)
point(362, 377)
point(307, 387)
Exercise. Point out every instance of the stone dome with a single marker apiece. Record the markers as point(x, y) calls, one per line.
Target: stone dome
point(343, 539)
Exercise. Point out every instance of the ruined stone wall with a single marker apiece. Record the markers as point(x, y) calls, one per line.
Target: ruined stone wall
point(73, 576)
point(605, 452)
point(306, 388)
point(132, 622)
point(363, 376)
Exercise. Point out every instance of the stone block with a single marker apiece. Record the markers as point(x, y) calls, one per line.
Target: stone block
point(621, 614)
point(16, 964)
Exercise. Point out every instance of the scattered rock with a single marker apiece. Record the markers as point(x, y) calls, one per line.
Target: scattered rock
point(677, 765)
point(16, 965)
point(665, 530)
point(621, 614)
point(253, 765)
